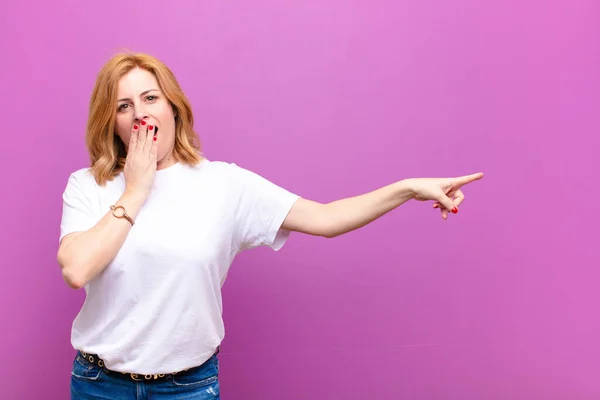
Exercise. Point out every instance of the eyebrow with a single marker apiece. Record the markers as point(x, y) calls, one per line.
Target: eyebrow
point(143, 93)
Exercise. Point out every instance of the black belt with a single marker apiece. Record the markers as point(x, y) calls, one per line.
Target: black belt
point(94, 359)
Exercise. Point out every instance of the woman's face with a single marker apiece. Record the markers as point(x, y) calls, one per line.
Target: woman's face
point(140, 99)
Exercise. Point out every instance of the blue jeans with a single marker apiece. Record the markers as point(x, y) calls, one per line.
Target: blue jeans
point(89, 381)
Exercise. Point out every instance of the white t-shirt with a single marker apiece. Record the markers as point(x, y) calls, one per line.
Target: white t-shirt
point(157, 307)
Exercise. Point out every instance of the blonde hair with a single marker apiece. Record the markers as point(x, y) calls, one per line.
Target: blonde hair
point(106, 149)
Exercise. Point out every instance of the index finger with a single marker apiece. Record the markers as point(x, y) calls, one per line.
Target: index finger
point(463, 180)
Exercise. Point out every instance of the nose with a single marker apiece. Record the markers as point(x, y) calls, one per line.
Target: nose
point(140, 113)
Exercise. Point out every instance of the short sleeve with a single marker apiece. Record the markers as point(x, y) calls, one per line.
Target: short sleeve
point(262, 206)
point(78, 210)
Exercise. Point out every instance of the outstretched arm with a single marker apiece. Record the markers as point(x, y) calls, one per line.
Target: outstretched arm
point(345, 215)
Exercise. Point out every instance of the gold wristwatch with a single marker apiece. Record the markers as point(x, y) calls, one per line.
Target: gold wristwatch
point(119, 212)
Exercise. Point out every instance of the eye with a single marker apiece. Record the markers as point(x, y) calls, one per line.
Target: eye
point(122, 107)
point(151, 98)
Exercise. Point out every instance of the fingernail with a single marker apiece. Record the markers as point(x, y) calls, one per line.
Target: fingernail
point(455, 210)
point(150, 127)
point(155, 138)
point(135, 127)
point(143, 122)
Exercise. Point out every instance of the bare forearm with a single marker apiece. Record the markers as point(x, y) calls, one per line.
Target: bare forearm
point(351, 213)
point(84, 256)
point(342, 216)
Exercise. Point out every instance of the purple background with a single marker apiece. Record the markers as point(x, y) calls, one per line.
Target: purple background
point(332, 99)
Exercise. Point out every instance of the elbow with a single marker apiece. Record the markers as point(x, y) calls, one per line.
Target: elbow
point(332, 228)
point(70, 275)
point(72, 281)
point(330, 234)
point(324, 232)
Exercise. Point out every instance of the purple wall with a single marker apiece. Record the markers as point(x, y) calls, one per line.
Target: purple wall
point(332, 99)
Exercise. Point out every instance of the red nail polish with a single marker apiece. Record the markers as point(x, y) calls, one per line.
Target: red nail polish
point(155, 138)
point(143, 122)
point(455, 210)
point(150, 127)
point(135, 127)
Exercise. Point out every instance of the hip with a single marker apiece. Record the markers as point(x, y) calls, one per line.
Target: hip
point(90, 379)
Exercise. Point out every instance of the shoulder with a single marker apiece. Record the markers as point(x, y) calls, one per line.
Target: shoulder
point(225, 174)
point(220, 169)
point(81, 180)
point(82, 176)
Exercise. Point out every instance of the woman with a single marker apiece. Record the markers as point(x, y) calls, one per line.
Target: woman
point(151, 228)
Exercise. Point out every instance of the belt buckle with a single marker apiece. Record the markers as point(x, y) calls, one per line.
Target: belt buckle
point(142, 378)
point(136, 377)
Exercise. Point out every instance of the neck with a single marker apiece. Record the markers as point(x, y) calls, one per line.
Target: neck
point(166, 162)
